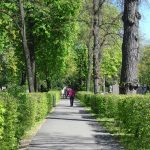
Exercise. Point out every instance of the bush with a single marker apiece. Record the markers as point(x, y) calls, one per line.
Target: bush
point(131, 112)
point(18, 113)
point(8, 139)
point(134, 114)
point(84, 97)
point(2, 111)
point(56, 94)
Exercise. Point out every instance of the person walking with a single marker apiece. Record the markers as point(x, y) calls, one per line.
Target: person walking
point(64, 91)
point(71, 95)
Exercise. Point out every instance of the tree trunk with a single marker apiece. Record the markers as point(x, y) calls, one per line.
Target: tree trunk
point(90, 56)
point(96, 48)
point(26, 49)
point(23, 78)
point(130, 48)
point(48, 84)
point(32, 50)
point(104, 82)
point(80, 71)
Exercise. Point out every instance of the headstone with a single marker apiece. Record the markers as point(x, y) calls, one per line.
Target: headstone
point(115, 89)
point(110, 89)
point(142, 89)
point(3, 88)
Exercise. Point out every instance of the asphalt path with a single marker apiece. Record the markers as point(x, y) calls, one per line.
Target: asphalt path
point(72, 128)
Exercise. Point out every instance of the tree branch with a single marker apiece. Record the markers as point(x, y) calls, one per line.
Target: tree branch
point(6, 13)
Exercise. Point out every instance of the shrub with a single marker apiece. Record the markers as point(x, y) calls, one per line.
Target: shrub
point(56, 95)
point(2, 111)
point(131, 112)
point(134, 113)
point(18, 113)
point(85, 97)
point(9, 140)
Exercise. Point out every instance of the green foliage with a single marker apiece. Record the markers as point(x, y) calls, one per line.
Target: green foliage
point(9, 140)
point(137, 118)
point(111, 61)
point(2, 110)
point(131, 114)
point(85, 97)
point(76, 67)
point(144, 65)
point(19, 113)
point(8, 67)
point(9, 34)
point(62, 28)
point(111, 42)
point(110, 38)
point(53, 26)
point(59, 31)
point(56, 94)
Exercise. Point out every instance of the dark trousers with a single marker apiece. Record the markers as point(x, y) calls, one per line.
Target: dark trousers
point(71, 100)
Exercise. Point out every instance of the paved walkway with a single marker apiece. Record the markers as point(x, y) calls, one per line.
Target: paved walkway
point(72, 128)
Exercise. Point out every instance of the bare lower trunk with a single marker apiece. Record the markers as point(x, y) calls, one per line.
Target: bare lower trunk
point(96, 48)
point(104, 88)
point(90, 56)
point(32, 50)
point(130, 48)
point(23, 78)
point(48, 84)
point(26, 49)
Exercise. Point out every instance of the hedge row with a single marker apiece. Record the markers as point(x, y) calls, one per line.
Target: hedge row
point(19, 113)
point(132, 113)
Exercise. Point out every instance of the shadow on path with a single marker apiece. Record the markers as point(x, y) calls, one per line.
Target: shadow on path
point(72, 128)
point(71, 119)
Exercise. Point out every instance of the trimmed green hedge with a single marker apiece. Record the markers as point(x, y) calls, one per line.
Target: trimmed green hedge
point(132, 113)
point(19, 113)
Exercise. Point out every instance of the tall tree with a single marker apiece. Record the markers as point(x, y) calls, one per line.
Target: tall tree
point(31, 39)
point(130, 47)
point(11, 41)
point(110, 26)
point(26, 49)
point(97, 6)
point(90, 56)
point(57, 39)
point(111, 41)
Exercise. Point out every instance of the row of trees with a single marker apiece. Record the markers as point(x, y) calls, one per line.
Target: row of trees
point(46, 30)
point(56, 42)
point(100, 28)
point(130, 47)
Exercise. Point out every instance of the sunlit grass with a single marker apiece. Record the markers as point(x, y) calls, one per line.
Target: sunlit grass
point(127, 140)
point(110, 125)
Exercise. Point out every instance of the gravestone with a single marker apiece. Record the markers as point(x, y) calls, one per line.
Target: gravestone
point(4, 88)
point(142, 89)
point(115, 89)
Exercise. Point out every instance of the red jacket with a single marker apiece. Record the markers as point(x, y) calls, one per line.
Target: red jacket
point(71, 92)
